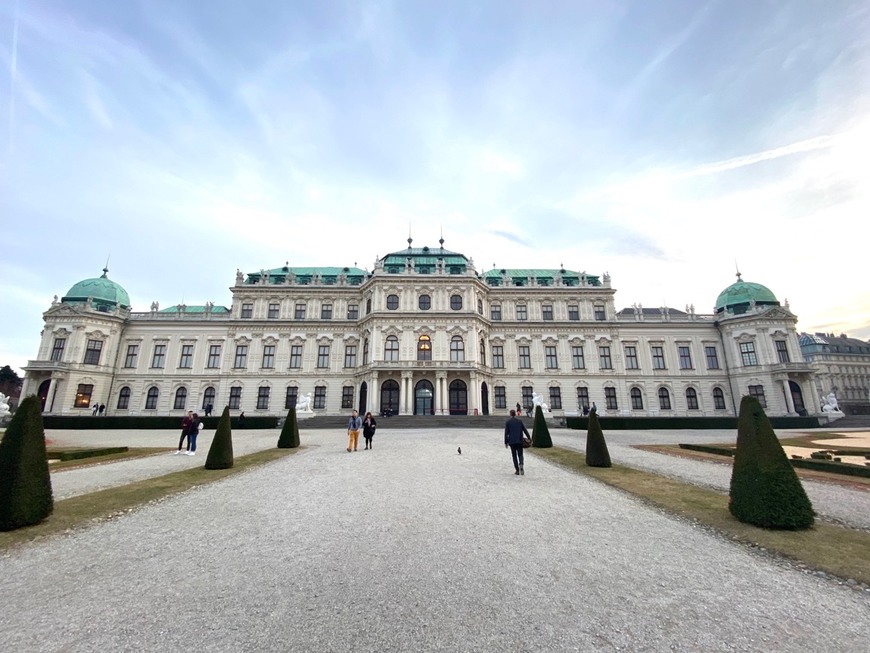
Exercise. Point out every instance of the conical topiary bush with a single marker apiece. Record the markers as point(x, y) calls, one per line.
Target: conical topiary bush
point(25, 483)
point(540, 432)
point(597, 454)
point(765, 490)
point(220, 454)
point(289, 438)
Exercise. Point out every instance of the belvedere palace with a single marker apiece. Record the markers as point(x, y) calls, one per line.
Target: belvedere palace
point(423, 333)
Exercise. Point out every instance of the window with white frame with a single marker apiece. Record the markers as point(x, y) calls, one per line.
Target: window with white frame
point(498, 356)
point(57, 349)
point(347, 396)
point(718, 399)
point(631, 358)
point(747, 354)
point(247, 311)
point(551, 357)
point(757, 391)
point(151, 398)
point(320, 396)
point(495, 312)
point(353, 311)
point(158, 358)
point(350, 355)
point(685, 355)
point(290, 399)
point(691, 399)
point(186, 359)
point(241, 359)
point(323, 356)
point(577, 360)
point(274, 311)
point(600, 314)
point(326, 311)
point(263, 397)
point(124, 398)
point(392, 302)
point(391, 348)
point(299, 312)
point(525, 357)
point(574, 312)
point(295, 356)
point(268, 357)
point(712, 357)
point(235, 401)
point(636, 399)
point(132, 355)
point(547, 312)
point(658, 357)
point(457, 349)
point(556, 398)
point(214, 356)
point(92, 353)
point(83, 395)
point(500, 394)
point(424, 348)
point(610, 398)
point(180, 399)
point(583, 397)
point(604, 357)
point(664, 399)
point(522, 312)
point(782, 351)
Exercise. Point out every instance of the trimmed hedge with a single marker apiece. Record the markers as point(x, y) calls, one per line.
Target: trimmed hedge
point(707, 448)
point(846, 469)
point(148, 422)
point(597, 454)
point(540, 431)
point(220, 454)
point(621, 423)
point(765, 490)
point(78, 454)
point(289, 438)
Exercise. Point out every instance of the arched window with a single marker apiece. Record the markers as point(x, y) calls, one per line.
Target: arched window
point(457, 349)
point(456, 302)
point(391, 349)
point(482, 351)
point(424, 302)
point(664, 399)
point(636, 399)
point(124, 398)
point(208, 398)
point(718, 399)
point(180, 398)
point(151, 398)
point(692, 399)
point(365, 351)
point(392, 302)
point(390, 397)
point(424, 348)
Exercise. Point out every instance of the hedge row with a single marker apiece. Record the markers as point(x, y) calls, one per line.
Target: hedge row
point(804, 463)
point(146, 423)
point(620, 423)
point(707, 448)
point(78, 454)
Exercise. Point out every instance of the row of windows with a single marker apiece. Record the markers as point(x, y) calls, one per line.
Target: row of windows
point(300, 311)
point(636, 395)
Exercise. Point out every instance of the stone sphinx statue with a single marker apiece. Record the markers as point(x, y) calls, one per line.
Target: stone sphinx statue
point(538, 400)
point(829, 403)
point(303, 404)
point(4, 405)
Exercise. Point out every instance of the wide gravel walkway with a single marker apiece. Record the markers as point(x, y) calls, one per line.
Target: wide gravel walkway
point(412, 547)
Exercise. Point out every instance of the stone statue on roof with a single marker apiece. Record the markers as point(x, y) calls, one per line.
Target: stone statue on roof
point(240, 278)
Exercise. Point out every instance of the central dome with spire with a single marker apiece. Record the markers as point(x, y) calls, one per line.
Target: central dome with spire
point(102, 291)
point(740, 295)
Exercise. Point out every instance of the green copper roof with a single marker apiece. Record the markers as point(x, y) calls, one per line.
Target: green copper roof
point(195, 309)
point(741, 294)
point(102, 292)
point(544, 276)
point(425, 259)
point(303, 275)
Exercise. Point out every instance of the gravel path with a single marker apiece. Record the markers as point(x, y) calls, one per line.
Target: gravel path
point(412, 547)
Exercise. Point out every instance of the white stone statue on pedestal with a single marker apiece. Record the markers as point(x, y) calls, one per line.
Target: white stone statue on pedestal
point(303, 404)
point(829, 403)
point(538, 400)
point(4, 406)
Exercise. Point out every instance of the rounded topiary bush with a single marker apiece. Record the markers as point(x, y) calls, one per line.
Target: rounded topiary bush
point(540, 431)
point(289, 438)
point(765, 490)
point(220, 454)
point(25, 483)
point(597, 454)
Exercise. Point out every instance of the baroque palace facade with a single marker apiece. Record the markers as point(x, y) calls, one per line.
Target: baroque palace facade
point(423, 333)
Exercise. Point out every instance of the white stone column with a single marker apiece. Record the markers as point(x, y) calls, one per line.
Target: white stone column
point(789, 402)
point(474, 404)
point(49, 396)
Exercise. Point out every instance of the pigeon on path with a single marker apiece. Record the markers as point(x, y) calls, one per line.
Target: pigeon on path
point(459, 450)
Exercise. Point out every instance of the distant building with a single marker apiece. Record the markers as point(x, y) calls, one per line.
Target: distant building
point(841, 364)
point(422, 333)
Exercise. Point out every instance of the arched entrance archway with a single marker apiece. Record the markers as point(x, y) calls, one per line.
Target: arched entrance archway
point(797, 398)
point(42, 393)
point(424, 395)
point(390, 397)
point(458, 393)
point(484, 398)
point(363, 397)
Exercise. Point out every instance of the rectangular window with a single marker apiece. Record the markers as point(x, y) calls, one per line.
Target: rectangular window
point(525, 357)
point(92, 353)
point(498, 356)
point(241, 356)
point(574, 313)
point(610, 398)
point(132, 355)
point(57, 350)
point(353, 311)
point(757, 391)
point(528, 402)
point(583, 398)
point(551, 357)
point(500, 397)
point(83, 395)
point(214, 356)
point(556, 398)
point(658, 356)
point(320, 396)
point(522, 314)
point(296, 356)
point(547, 312)
point(290, 399)
point(263, 397)
point(577, 360)
point(299, 314)
point(235, 401)
point(159, 358)
point(323, 356)
point(747, 354)
point(326, 312)
point(599, 313)
point(712, 358)
point(631, 358)
point(186, 359)
point(350, 355)
point(782, 351)
point(685, 354)
point(495, 312)
point(274, 311)
point(347, 396)
point(268, 357)
point(604, 358)
point(247, 311)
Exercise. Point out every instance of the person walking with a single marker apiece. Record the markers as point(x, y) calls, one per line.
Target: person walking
point(369, 426)
point(514, 433)
point(192, 434)
point(353, 427)
point(185, 431)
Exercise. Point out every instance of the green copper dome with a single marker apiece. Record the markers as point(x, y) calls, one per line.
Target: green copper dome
point(103, 292)
point(740, 295)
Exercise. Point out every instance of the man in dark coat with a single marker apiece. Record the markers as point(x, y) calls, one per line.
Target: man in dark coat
point(514, 429)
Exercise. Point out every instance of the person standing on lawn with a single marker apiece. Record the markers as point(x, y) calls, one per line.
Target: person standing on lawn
point(514, 431)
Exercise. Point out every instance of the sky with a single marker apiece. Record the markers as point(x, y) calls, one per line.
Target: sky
point(666, 143)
